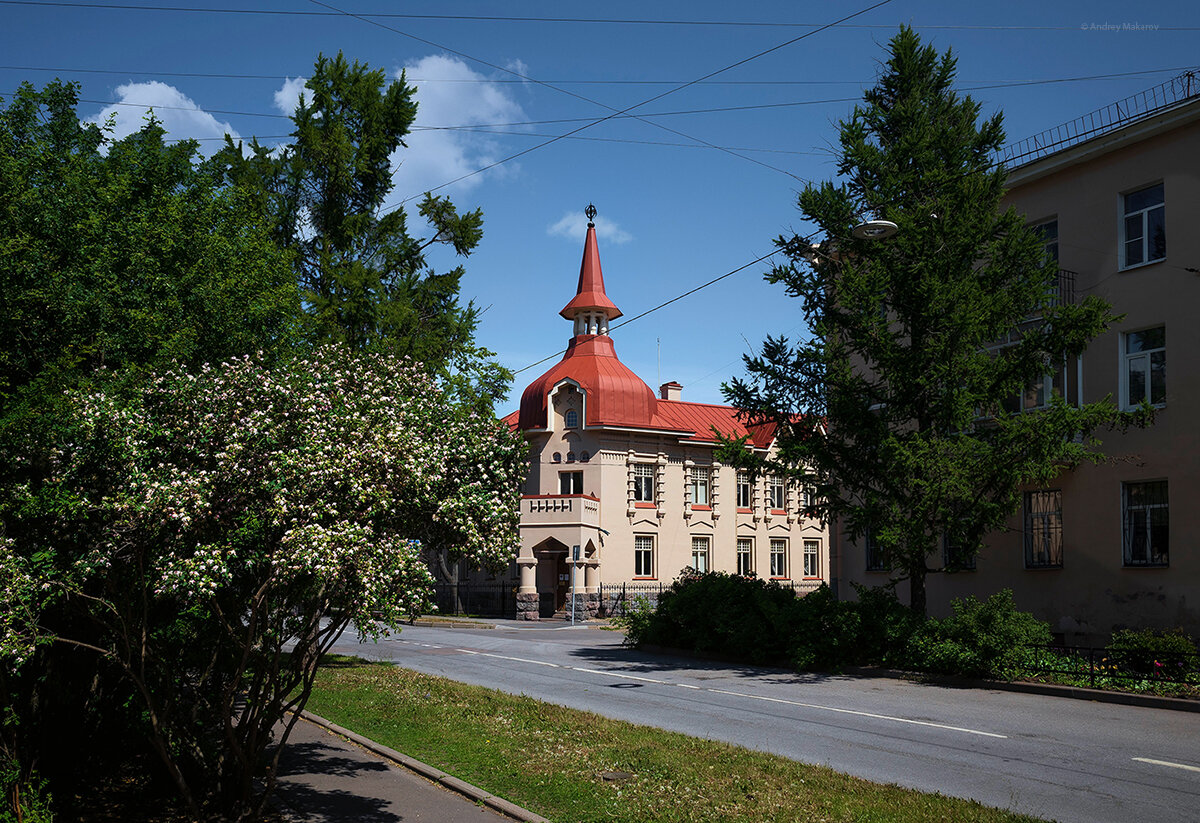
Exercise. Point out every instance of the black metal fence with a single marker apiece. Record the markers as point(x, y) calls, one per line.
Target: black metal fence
point(488, 599)
point(1099, 664)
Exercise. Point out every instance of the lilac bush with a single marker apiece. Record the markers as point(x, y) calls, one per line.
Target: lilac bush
point(237, 520)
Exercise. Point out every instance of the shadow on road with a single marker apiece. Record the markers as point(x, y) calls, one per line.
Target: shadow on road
point(633, 660)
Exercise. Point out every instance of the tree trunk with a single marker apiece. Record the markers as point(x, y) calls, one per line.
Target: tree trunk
point(916, 588)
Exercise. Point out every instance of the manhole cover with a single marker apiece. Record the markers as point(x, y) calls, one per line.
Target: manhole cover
point(615, 777)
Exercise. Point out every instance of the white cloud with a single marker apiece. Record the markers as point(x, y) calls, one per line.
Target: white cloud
point(179, 114)
point(288, 95)
point(450, 93)
point(573, 226)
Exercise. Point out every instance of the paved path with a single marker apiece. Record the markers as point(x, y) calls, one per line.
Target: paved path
point(323, 778)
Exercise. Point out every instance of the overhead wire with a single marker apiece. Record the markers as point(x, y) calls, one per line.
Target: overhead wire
point(496, 18)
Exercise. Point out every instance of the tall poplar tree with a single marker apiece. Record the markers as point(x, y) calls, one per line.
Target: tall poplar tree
point(894, 411)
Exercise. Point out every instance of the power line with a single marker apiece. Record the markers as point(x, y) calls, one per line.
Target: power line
point(662, 305)
point(562, 20)
point(992, 83)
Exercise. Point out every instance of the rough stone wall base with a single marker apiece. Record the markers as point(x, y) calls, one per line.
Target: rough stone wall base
point(527, 606)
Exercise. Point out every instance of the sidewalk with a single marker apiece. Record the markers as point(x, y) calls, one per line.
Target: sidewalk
point(325, 778)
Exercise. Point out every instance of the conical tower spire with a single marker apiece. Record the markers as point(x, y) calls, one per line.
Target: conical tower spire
point(590, 308)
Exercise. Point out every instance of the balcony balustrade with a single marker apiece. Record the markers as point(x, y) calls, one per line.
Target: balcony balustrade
point(560, 510)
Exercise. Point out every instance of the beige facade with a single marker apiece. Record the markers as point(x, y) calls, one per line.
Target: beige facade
point(631, 479)
point(1112, 545)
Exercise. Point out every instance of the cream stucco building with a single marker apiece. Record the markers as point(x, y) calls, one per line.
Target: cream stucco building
point(1112, 545)
point(624, 485)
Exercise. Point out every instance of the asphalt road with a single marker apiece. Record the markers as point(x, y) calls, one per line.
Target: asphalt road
point(1066, 760)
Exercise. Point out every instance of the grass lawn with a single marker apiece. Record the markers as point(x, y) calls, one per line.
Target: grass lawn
point(550, 759)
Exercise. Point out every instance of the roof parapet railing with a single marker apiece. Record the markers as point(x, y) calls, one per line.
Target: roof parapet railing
point(1110, 118)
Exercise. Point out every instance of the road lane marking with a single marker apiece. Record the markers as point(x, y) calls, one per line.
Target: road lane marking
point(1168, 763)
point(516, 659)
point(622, 676)
point(862, 714)
point(855, 712)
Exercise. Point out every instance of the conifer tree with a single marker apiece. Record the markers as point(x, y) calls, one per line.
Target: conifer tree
point(895, 411)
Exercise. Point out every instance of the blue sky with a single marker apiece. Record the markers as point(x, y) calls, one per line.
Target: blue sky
point(673, 212)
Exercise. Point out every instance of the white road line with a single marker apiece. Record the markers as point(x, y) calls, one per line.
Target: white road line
point(862, 714)
point(516, 659)
point(768, 699)
point(620, 675)
point(1168, 763)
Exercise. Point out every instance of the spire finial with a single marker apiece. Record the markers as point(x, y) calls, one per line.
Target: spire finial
point(590, 211)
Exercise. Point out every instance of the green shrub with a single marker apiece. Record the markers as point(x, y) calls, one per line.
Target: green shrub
point(1150, 651)
point(23, 801)
point(980, 639)
point(636, 620)
point(718, 613)
point(826, 632)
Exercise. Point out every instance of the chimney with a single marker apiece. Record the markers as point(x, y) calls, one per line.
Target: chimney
point(670, 391)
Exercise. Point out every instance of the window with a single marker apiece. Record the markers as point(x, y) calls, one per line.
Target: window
point(585, 456)
point(570, 482)
point(643, 556)
point(745, 556)
point(1048, 231)
point(779, 564)
point(743, 490)
point(571, 419)
point(1144, 232)
point(700, 554)
point(557, 457)
point(812, 558)
point(776, 492)
point(955, 556)
point(1043, 530)
point(698, 486)
point(877, 560)
point(1146, 525)
point(1145, 366)
point(643, 482)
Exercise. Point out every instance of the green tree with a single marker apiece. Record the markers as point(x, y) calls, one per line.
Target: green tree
point(904, 367)
point(221, 528)
point(123, 254)
point(364, 280)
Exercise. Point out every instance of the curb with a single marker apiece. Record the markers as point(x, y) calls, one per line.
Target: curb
point(1148, 701)
point(473, 793)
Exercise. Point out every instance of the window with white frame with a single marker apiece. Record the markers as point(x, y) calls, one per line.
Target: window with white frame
point(570, 482)
point(1144, 228)
point(743, 490)
point(1144, 366)
point(571, 419)
point(700, 554)
point(812, 558)
point(1145, 523)
point(643, 482)
point(779, 558)
point(698, 485)
point(776, 492)
point(745, 556)
point(643, 555)
point(1043, 529)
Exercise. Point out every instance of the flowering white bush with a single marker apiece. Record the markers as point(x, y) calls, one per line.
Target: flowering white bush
point(246, 510)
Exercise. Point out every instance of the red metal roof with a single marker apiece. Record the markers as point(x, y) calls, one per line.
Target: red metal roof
point(589, 294)
point(615, 395)
point(702, 418)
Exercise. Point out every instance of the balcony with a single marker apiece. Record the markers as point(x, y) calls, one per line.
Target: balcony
point(560, 510)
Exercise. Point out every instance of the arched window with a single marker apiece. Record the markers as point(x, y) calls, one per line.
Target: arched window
point(571, 419)
point(557, 457)
point(585, 457)
point(570, 457)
